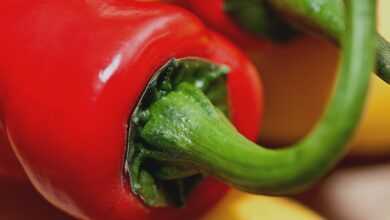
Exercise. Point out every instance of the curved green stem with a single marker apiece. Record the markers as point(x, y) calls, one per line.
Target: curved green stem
point(184, 124)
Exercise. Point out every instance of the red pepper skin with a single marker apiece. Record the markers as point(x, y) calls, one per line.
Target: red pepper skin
point(71, 73)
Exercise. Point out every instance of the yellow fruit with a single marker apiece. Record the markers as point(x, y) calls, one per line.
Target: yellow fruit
point(241, 206)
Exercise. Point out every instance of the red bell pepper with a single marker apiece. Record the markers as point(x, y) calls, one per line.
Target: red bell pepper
point(71, 72)
point(102, 136)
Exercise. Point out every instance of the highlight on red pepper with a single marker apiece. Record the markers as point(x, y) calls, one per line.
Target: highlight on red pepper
point(281, 20)
point(116, 110)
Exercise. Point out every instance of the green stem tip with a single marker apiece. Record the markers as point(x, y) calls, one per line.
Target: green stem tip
point(179, 134)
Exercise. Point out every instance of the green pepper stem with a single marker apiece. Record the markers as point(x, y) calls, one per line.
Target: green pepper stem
point(184, 124)
point(327, 17)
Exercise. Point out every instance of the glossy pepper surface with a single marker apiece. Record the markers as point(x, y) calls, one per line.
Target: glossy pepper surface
point(71, 73)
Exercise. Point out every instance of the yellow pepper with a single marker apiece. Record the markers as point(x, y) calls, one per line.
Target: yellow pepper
point(298, 78)
point(240, 206)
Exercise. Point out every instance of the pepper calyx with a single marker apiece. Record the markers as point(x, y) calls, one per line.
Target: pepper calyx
point(157, 177)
